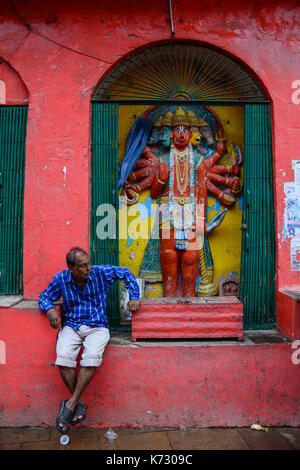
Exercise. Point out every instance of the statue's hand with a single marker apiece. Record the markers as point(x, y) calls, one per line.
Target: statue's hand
point(149, 159)
point(132, 194)
point(234, 184)
point(163, 172)
point(142, 176)
point(235, 170)
point(146, 150)
point(221, 148)
point(215, 221)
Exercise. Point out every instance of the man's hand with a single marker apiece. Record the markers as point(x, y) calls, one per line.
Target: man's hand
point(133, 305)
point(54, 318)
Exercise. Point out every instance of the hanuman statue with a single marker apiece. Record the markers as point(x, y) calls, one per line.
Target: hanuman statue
point(180, 172)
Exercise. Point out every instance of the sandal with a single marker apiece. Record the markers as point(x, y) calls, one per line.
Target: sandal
point(80, 409)
point(65, 417)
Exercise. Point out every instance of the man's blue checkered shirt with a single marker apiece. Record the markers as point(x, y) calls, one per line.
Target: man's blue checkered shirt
point(88, 306)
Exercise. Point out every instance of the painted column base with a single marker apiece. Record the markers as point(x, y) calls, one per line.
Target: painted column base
point(192, 317)
point(288, 311)
point(206, 290)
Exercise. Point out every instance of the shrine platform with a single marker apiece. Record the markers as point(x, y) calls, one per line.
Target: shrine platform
point(189, 317)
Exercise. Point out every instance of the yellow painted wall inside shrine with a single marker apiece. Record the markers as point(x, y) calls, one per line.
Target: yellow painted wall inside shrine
point(135, 226)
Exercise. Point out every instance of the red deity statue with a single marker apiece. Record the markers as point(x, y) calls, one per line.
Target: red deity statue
point(181, 183)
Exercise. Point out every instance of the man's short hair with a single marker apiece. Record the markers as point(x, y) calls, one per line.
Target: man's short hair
point(71, 255)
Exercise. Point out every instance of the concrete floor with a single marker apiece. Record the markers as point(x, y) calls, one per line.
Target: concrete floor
point(83, 438)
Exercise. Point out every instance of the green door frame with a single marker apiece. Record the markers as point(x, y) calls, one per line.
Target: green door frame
point(13, 125)
point(258, 264)
point(104, 246)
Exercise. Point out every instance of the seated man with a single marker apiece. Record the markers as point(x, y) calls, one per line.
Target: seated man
point(83, 289)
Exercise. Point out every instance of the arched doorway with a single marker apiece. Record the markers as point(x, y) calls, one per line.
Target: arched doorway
point(201, 78)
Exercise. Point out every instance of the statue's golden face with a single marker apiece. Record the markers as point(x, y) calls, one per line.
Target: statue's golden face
point(196, 136)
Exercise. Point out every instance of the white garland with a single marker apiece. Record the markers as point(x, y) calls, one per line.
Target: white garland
point(179, 217)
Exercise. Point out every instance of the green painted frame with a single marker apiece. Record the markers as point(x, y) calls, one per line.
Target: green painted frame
point(104, 190)
point(258, 264)
point(13, 126)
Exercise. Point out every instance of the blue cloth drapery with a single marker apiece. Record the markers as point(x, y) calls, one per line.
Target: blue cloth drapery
point(136, 141)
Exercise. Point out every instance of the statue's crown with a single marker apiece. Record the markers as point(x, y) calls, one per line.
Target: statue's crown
point(180, 118)
point(201, 122)
point(158, 123)
point(167, 119)
point(192, 118)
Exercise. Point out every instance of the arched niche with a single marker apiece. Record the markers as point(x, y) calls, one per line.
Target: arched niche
point(189, 74)
point(180, 71)
point(14, 99)
point(12, 89)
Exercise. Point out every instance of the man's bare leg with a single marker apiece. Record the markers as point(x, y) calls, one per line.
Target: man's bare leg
point(84, 377)
point(68, 375)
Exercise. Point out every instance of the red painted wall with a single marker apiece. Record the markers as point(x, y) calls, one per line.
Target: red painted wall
point(61, 53)
point(159, 386)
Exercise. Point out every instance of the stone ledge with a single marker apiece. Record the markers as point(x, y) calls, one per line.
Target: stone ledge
point(8, 301)
point(293, 292)
point(33, 304)
point(122, 338)
point(253, 337)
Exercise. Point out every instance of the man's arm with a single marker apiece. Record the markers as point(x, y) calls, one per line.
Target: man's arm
point(46, 299)
point(117, 273)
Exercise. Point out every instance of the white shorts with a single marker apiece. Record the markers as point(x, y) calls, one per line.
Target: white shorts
point(69, 343)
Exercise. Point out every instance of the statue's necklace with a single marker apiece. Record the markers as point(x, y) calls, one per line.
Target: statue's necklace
point(181, 176)
point(177, 221)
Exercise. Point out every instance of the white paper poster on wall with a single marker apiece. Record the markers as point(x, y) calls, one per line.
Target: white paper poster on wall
point(295, 254)
point(296, 168)
point(291, 225)
point(292, 211)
